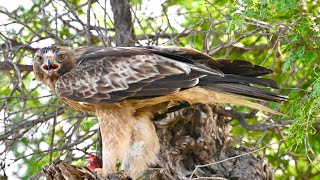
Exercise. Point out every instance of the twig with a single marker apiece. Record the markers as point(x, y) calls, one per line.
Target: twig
point(242, 120)
point(28, 124)
point(52, 136)
point(224, 46)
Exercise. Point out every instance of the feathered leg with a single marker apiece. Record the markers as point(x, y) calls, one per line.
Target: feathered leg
point(116, 125)
point(126, 137)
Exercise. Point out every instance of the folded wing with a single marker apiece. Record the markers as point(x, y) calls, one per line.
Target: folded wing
point(110, 75)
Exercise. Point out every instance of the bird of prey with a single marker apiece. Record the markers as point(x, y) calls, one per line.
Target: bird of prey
point(126, 86)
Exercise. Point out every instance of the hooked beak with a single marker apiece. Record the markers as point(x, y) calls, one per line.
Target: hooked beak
point(50, 67)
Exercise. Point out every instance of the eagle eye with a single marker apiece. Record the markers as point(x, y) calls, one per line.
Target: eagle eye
point(39, 59)
point(61, 56)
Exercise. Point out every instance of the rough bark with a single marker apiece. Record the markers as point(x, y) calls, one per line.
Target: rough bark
point(198, 135)
point(122, 22)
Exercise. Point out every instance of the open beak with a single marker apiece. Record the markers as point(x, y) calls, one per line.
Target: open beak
point(50, 67)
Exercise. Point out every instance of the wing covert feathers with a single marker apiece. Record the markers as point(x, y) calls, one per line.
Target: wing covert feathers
point(112, 79)
point(152, 74)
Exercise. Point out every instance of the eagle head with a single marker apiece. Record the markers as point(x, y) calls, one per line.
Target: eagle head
point(50, 63)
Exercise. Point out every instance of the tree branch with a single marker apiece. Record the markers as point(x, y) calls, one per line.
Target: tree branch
point(88, 24)
point(123, 22)
point(7, 66)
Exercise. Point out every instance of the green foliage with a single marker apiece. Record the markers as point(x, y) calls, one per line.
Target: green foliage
point(136, 2)
point(306, 112)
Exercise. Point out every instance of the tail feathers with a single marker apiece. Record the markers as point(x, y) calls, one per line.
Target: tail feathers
point(223, 76)
point(206, 95)
point(246, 91)
point(231, 78)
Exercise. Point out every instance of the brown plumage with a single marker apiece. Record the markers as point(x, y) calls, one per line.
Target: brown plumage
point(126, 86)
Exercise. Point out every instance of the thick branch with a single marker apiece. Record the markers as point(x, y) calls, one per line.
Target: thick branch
point(123, 22)
point(88, 34)
point(7, 66)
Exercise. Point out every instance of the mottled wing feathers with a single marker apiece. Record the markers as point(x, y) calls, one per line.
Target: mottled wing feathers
point(105, 76)
point(109, 75)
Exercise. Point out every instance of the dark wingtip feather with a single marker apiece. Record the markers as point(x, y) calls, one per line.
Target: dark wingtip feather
point(186, 55)
point(237, 67)
point(247, 91)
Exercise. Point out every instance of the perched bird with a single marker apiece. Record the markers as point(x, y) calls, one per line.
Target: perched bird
point(94, 162)
point(126, 86)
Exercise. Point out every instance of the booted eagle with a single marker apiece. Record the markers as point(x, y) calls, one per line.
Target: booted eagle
point(126, 86)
